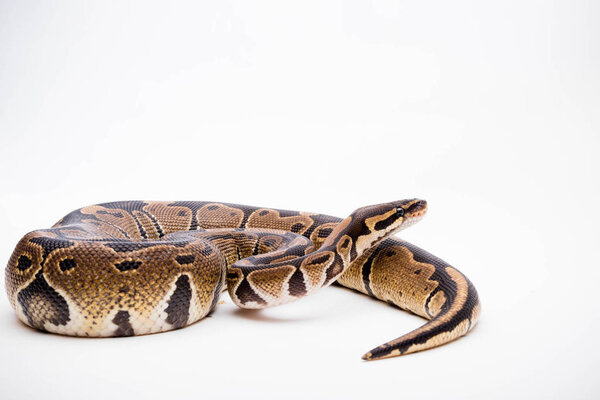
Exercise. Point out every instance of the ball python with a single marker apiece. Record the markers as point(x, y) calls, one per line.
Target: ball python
point(139, 267)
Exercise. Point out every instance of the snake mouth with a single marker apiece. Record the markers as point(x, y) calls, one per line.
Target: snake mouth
point(415, 212)
point(412, 220)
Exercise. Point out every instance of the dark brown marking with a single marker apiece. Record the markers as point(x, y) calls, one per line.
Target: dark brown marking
point(67, 264)
point(256, 248)
point(297, 227)
point(246, 294)
point(323, 233)
point(320, 260)
point(159, 230)
point(269, 242)
point(123, 246)
point(140, 228)
point(186, 259)
point(178, 309)
point(231, 275)
point(54, 307)
point(297, 286)
point(334, 270)
point(126, 246)
point(366, 272)
point(217, 292)
point(124, 327)
point(24, 263)
point(115, 214)
point(380, 225)
point(50, 244)
point(206, 251)
point(128, 265)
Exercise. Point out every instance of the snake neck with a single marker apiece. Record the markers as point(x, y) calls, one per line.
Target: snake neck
point(368, 226)
point(293, 278)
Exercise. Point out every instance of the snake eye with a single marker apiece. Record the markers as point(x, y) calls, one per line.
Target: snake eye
point(399, 212)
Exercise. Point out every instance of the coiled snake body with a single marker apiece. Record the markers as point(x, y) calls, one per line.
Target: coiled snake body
point(138, 267)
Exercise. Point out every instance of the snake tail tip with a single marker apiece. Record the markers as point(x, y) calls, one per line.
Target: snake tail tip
point(373, 356)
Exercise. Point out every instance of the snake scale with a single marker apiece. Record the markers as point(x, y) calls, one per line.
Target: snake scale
point(138, 267)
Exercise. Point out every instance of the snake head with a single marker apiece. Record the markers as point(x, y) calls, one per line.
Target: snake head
point(380, 221)
point(368, 225)
point(410, 211)
point(373, 223)
point(383, 219)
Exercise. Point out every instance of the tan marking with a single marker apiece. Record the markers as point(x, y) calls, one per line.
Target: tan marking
point(264, 247)
point(147, 224)
point(142, 289)
point(283, 259)
point(108, 230)
point(114, 218)
point(461, 329)
point(394, 278)
point(170, 218)
point(344, 246)
point(333, 236)
point(442, 338)
point(75, 233)
point(246, 242)
point(228, 246)
point(271, 282)
point(352, 277)
point(222, 216)
point(314, 273)
point(234, 278)
point(271, 219)
point(436, 303)
point(366, 241)
point(17, 279)
point(314, 237)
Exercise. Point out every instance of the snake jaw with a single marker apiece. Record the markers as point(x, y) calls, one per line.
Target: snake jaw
point(413, 211)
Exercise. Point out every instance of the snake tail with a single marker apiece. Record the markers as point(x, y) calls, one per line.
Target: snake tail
point(454, 318)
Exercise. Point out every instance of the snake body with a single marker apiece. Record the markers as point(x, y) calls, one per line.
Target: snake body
point(139, 267)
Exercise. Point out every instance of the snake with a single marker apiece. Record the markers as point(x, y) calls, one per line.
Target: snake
point(140, 267)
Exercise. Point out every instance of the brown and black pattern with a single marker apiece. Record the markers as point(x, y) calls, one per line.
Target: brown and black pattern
point(137, 267)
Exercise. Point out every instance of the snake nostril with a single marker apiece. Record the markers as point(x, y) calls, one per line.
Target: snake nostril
point(418, 207)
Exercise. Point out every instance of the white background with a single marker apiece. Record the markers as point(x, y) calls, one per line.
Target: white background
point(489, 110)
